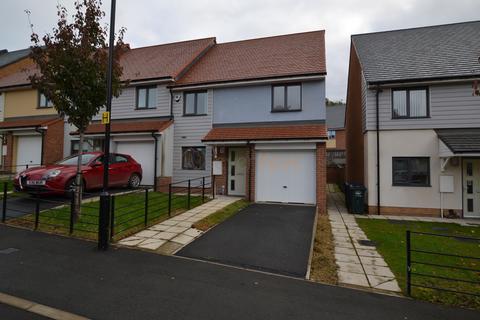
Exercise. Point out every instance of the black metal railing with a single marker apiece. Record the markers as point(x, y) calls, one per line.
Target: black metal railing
point(432, 269)
point(49, 212)
point(130, 211)
point(139, 209)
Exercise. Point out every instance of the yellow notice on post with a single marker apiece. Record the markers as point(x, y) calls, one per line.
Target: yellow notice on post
point(106, 117)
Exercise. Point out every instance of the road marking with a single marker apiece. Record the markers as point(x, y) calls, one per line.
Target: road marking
point(37, 308)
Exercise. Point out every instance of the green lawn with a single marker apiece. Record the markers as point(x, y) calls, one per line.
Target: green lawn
point(390, 236)
point(220, 215)
point(9, 184)
point(129, 215)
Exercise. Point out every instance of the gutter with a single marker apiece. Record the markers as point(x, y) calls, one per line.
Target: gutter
point(410, 82)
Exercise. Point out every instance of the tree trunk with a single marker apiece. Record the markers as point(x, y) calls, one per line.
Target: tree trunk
point(78, 180)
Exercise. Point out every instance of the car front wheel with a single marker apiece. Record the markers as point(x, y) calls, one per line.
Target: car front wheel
point(134, 181)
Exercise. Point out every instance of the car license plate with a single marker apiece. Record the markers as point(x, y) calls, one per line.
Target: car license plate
point(35, 182)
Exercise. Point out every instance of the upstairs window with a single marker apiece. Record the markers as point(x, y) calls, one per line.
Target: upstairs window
point(286, 98)
point(195, 103)
point(410, 103)
point(43, 102)
point(147, 97)
point(411, 171)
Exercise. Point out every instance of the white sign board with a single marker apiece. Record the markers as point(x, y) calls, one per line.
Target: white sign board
point(446, 184)
point(217, 168)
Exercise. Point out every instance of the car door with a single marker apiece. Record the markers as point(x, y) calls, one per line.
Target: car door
point(118, 170)
point(94, 174)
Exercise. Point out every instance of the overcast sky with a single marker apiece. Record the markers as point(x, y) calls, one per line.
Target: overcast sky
point(151, 22)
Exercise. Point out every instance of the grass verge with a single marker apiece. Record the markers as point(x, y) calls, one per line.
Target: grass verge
point(390, 238)
point(220, 215)
point(129, 215)
point(323, 266)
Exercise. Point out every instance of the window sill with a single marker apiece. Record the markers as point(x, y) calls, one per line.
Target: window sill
point(40, 108)
point(412, 185)
point(282, 111)
point(193, 169)
point(409, 118)
point(142, 109)
point(195, 115)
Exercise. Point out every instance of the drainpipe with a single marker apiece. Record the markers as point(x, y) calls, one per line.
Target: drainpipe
point(155, 160)
point(377, 93)
point(41, 130)
point(171, 104)
point(249, 171)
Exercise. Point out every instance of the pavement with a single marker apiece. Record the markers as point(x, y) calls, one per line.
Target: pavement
point(172, 234)
point(359, 263)
point(71, 275)
point(10, 313)
point(268, 237)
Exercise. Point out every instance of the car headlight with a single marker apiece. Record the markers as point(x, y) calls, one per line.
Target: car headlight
point(53, 173)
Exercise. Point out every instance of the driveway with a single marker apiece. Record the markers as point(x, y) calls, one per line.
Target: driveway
point(269, 237)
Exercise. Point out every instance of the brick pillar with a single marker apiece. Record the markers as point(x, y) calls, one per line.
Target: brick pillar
point(8, 158)
point(321, 169)
point(53, 142)
point(251, 173)
point(221, 181)
point(162, 183)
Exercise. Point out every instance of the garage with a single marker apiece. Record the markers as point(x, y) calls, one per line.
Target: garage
point(285, 176)
point(29, 151)
point(144, 153)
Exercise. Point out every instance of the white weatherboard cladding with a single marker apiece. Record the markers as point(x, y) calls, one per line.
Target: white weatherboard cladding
point(29, 151)
point(451, 106)
point(285, 176)
point(188, 132)
point(409, 143)
point(124, 107)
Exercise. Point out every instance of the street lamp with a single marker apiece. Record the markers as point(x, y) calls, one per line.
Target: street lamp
point(103, 228)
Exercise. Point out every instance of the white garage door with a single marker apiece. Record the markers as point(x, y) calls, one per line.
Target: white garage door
point(285, 176)
point(29, 151)
point(143, 152)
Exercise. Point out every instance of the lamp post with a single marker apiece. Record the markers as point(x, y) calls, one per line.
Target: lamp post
point(104, 217)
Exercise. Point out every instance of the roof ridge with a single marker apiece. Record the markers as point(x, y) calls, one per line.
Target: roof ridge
point(275, 36)
point(170, 43)
point(415, 28)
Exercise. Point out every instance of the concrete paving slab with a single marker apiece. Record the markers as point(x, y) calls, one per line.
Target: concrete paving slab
point(356, 279)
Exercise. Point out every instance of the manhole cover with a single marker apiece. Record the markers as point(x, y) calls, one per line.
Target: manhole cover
point(368, 243)
point(8, 250)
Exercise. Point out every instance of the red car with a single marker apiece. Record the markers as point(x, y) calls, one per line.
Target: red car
point(59, 178)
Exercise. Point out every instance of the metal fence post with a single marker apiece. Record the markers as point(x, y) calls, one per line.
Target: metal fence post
point(169, 199)
point(104, 221)
point(146, 207)
point(188, 196)
point(203, 189)
point(409, 266)
point(37, 210)
point(4, 201)
point(72, 210)
point(112, 217)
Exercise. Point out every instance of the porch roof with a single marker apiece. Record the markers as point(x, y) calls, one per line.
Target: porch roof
point(265, 133)
point(24, 123)
point(128, 126)
point(461, 141)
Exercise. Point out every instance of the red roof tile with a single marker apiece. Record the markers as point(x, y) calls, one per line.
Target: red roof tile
point(274, 132)
point(129, 126)
point(286, 55)
point(160, 61)
point(29, 123)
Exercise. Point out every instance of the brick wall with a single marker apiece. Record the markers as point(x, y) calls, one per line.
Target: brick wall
point(53, 142)
point(221, 180)
point(353, 121)
point(321, 170)
point(8, 158)
point(162, 183)
point(419, 212)
point(340, 139)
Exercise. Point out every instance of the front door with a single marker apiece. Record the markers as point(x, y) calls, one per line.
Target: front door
point(237, 168)
point(471, 188)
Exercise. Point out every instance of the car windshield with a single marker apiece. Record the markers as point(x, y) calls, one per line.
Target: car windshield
point(86, 158)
